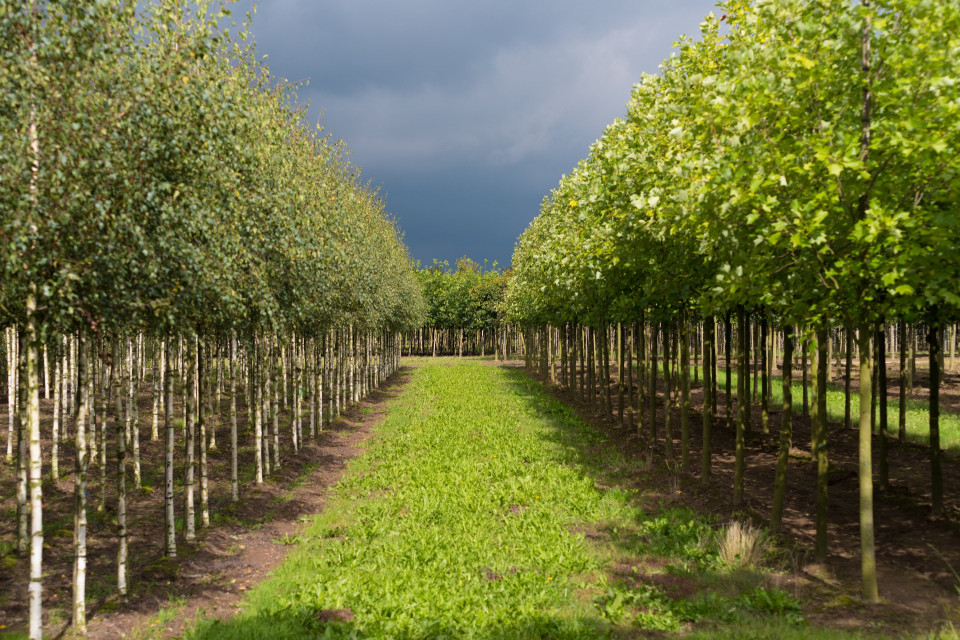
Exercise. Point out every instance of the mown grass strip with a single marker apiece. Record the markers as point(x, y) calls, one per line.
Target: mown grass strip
point(466, 519)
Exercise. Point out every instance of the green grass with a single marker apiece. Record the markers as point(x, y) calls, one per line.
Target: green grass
point(486, 509)
point(918, 410)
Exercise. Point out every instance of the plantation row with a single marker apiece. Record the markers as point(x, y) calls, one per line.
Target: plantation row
point(165, 208)
point(794, 170)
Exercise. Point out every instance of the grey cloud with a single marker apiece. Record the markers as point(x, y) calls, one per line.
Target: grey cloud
point(498, 98)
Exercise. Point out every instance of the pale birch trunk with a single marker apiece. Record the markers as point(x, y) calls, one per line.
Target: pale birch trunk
point(11, 337)
point(55, 434)
point(157, 389)
point(189, 513)
point(170, 534)
point(23, 471)
point(202, 392)
point(121, 426)
point(257, 412)
point(80, 494)
point(234, 482)
point(132, 417)
point(214, 399)
point(32, 410)
point(106, 370)
point(275, 391)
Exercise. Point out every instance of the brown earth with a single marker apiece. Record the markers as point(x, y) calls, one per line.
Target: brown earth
point(245, 541)
point(918, 556)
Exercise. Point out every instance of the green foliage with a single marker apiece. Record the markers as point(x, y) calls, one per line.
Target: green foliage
point(468, 296)
point(154, 175)
point(767, 165)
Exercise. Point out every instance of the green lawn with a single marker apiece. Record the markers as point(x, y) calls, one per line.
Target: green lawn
point(483, 508)
point(918, 410)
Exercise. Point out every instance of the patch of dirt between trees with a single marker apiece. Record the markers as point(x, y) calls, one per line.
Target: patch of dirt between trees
point(245, 541)
point(916, 553)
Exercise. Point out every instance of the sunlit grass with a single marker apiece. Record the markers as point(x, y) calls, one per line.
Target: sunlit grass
point(917, 419)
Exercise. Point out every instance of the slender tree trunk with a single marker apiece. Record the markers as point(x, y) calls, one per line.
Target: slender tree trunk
point(764, 377)
point(132, 417)
point(684, 339)
point(121, 428)
point(820, 453)
point(667, 391)
point(55, 434)
point(847, 418)
point(275, 391)
point(728, 359)
point(189, 511)
point(11, 337)
point(786, 432)
point(170, 535)
point(23, 441)
point(709, 339)
point(805, 346)
point(742, 407)
point(32, 410)
point(652, 381)
point(934, 333)
point(881, 364)
point(202, 393)
point(80, 494)
point(902, 409)
point(867, 553)
point(629, 350)
point(234, 477)
point(255, 368)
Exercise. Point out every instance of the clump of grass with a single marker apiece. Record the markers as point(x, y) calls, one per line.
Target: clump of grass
point(742, 545)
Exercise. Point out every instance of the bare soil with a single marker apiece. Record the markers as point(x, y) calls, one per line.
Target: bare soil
point(917, 555)
point(245, 541)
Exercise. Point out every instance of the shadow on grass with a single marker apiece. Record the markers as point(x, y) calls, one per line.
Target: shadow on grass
point(291, 626)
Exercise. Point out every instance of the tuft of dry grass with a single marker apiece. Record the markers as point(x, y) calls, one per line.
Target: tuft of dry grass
point(742, 545)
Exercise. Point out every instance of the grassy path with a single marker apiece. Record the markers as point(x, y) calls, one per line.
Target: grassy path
point(486, 509)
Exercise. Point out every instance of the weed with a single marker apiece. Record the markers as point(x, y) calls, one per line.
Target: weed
point(742, 545)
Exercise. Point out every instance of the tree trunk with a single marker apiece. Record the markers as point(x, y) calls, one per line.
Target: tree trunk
point(847, 418)
point(202, 393)
point(189, 512)
point(934, 333)
point(170, 536)
point(728, 358)
point(121, 428)
point(742, 407)
point(902, 409)
point(55, 432)
point(667, 334)
point(684, 339)
point(709, 339)
point(820, 453)
point(80, 493)
point(881, 375)
point(32, 410)
point(786, 432)
point(868, 566)
point(764, 378)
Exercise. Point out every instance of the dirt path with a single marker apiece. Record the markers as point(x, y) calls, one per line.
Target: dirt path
point(245, 542)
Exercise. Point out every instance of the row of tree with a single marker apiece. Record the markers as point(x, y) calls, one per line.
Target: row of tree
point(166, 212)
point(794, 167)
point(463, 309)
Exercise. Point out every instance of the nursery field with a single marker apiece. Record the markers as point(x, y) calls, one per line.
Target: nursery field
point(485, 507)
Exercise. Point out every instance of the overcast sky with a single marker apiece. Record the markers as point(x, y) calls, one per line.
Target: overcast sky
point(467, 113)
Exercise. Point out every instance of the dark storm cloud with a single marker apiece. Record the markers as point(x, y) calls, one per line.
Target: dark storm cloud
point(468, 112)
